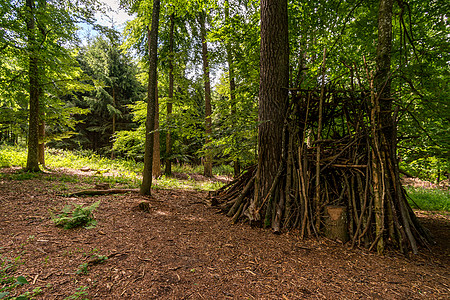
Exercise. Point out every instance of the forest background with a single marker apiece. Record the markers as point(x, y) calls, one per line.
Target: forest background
point(92, 96)
point(92, 92)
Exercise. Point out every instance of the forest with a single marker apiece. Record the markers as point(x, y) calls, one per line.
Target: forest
point(317, 111)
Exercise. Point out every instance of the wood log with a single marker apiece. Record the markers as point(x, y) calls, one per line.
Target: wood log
point(336, 223)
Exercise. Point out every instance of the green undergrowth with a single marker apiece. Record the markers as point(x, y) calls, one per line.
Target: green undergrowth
point(117, 172)
point(10, 283)
point(429, 199)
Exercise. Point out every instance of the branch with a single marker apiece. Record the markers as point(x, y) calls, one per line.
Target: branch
point(101, 192)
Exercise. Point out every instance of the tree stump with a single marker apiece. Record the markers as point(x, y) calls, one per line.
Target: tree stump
point(336, 223)
point(144, 206)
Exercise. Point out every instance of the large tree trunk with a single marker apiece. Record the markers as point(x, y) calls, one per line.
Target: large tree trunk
point(151, 101)
point(273, 98)
point(208, 127)
point(33, 73)
point(156, 169)
point(168, 170)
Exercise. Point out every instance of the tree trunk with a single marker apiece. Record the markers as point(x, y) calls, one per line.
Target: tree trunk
point(151, 101)
point(42, 143)
point(208, 126)
point(273, 96)
point(390, 203)
point(113, 122)
point(236, 164)
point(156, 170)
point(33, 73)
point(168, 170)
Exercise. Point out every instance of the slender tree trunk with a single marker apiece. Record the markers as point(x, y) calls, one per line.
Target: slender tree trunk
point(168, 170)
point(236, 165)
point(42, 143)
point(151, 92)
point(382, 79)
point(273, 96)
point(33, 73)
point(208, 126)
point(113, 122)
point(156, 170)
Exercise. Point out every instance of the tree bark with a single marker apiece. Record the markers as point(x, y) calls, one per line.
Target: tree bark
point(151, 101)
point(168, 170)
point(273, 96)
point(208, 126)
point(33, 73)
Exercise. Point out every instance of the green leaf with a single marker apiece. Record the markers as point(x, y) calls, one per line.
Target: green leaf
point(21, 281)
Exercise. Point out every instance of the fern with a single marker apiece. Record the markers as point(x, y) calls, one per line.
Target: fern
point(76, 216)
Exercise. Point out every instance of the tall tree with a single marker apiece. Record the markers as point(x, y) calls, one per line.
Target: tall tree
point(273, 98)
point(151, 101)
point(231, 77)
point(208, 126)
point(39, 51)
point(113, 86)
point(394, 217)
point(156, 167)
point(168, 165)
point(384, 122)
point(33, 125)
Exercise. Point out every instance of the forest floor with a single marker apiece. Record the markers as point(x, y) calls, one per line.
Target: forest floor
point(183, 249)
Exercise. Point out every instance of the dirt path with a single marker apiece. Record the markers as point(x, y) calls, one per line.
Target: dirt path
point(183, 249)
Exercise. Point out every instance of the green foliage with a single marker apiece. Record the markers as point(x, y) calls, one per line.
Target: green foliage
point(80, 294)
point(76, 216)
point(95, 259)
point(425, 167)
point(12, 156)
point(82, 269)
point(429, 199)
point(9, 283)
point(113, 85)
point(51, 42)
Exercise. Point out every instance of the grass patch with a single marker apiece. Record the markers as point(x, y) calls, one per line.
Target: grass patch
point(429, 199)
point(19, 176)
point(126, 172)
point(12, 156)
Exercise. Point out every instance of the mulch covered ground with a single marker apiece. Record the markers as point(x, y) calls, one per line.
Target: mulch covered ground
point(183, 249)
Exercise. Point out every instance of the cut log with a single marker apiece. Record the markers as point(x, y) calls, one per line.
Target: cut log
point(336, 223)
